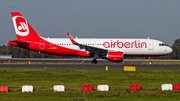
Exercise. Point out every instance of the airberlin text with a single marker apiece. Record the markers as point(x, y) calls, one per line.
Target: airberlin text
point(126, 44)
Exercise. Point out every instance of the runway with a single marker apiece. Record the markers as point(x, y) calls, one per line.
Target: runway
point(81, 64)
point(89, 66)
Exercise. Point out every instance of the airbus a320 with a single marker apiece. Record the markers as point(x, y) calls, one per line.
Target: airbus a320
point(112, 49)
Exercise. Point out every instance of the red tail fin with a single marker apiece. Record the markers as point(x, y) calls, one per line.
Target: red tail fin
point(23, 29)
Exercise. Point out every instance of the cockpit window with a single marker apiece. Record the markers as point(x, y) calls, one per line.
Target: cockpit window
point(162, 44)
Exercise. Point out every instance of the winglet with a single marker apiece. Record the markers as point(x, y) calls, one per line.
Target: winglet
point(71, 38)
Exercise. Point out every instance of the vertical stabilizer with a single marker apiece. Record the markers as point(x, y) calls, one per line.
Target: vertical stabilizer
point(23, 29)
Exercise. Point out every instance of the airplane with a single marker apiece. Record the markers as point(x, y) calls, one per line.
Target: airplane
point(112, 49)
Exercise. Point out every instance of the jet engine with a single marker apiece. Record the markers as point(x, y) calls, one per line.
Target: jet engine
point(115, 56)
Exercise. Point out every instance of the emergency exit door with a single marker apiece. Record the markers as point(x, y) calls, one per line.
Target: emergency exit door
point(42, 44)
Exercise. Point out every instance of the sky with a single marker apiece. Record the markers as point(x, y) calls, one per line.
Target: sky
point(156, 19)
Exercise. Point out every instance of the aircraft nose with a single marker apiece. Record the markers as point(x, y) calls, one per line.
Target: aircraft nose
point(169, 50)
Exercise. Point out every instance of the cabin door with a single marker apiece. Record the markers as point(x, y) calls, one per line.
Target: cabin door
point(150, 45)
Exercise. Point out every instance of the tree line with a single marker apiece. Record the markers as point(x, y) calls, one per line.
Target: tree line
point(24, 53)
point(17, 52)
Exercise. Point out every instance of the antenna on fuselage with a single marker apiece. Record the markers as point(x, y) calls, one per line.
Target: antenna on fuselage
point(148, 37)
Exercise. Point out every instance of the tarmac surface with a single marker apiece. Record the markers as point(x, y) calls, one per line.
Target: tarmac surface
point(90, 66)
point(81, 64)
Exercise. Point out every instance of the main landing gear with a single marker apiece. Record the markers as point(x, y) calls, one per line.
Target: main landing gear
point(94, 61)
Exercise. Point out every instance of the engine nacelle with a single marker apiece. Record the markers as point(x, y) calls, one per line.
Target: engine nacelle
point(115, 56)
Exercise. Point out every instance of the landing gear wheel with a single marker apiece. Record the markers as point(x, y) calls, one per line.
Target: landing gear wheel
point(94, 61)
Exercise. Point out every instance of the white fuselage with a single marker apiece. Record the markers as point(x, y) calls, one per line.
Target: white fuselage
point(127, 46)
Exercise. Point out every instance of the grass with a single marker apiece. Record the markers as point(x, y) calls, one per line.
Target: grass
point(119, 81)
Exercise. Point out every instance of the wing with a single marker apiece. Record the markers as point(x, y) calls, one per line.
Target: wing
point(90, 49)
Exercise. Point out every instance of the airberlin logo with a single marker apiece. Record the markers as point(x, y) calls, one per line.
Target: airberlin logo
point(20, 25)
point(126, 44)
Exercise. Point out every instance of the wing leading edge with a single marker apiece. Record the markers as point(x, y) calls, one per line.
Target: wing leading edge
point(90, 49)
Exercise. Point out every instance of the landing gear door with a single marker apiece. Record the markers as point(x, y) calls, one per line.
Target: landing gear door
point(150, 45)
point(42, 44)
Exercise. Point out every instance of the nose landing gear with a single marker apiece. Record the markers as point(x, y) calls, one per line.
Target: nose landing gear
point(149, 61)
